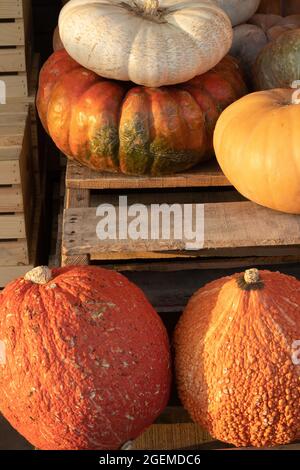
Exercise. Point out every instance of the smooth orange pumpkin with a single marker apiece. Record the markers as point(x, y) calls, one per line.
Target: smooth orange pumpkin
point(113, 126)
point(238, 358)
point(256, 142)
point(85, 360)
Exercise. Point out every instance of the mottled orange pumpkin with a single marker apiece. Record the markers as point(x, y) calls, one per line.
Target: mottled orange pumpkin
point(238, 358)
point(84, 359)
point(117, 126)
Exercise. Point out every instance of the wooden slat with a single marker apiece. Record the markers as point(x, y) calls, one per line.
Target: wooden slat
point(11, 199)
point(200, 263)
point(12, 34)
point(12, 226)
point(13, 60)
point(208, 174)
point(171, 437)
point(13, 253)
point(11, 8)
point(9, 273)
point(13, 120)
point(228, 226)
point(10, 171)
point(14, 109)
point(16, 85)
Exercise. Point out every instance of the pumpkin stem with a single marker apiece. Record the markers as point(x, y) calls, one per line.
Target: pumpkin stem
point(150, 7)
point(252, 276)
point(40, 275)
point(250, 280)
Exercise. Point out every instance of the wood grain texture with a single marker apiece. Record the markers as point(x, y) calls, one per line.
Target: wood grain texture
point(171, 436)
point(227, 226)
point(208, 174)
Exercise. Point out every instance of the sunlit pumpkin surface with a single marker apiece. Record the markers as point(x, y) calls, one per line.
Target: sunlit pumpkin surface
point(117, 126)
point(238, 359)
point(86, 363)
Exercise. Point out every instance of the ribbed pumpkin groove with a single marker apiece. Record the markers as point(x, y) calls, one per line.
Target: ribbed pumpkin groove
point(117, 126)
point(237, 360)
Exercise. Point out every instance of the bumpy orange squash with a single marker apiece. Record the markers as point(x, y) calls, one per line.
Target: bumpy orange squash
point(84, 360)
point(113, 126)
point(238, 358)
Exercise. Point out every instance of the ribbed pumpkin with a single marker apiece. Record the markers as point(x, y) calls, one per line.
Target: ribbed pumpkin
point(277, 66)
point(238, 11)
point(256, 144)
point(149, 42)
point(238, 358)
point(86, 363)
point(113, 126)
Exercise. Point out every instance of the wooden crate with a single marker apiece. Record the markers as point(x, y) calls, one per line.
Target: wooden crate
point(15, 46)
point(235, 229)
point(17, 198)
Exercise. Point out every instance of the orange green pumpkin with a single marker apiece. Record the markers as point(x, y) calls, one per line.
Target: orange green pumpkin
point(238, 358)
point(117, 126)
point(85, 360)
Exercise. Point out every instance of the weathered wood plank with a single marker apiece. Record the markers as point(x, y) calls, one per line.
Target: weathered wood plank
point(228, 226)
point(208, 174)
point(13, 253)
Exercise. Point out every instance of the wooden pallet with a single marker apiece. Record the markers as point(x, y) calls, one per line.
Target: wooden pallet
point(235, 229)
point(15, 46)
point(17, 198)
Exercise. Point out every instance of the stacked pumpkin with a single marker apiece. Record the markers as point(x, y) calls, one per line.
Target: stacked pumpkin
point(89, 101)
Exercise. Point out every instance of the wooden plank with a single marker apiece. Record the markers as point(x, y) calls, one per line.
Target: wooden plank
point(200, 263)
point(12, 34)
point(11, 8)
point(171, 437)
point(208, 174)
point(9, 273)
point(16, 85)
point(11, 199)
point(13, 60)
point(14, 108)
point(228, 226)
point(12, 226)
point(13, 253)
point(9, 171)
point(13, 120)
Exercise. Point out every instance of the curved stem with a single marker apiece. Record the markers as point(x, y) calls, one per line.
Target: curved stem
point(149, 7)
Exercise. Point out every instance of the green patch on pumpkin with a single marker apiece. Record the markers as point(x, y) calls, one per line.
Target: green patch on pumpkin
point(135, 155)
point(105, 145)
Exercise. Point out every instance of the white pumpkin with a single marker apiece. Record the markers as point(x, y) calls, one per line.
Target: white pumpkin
point(239, 11)
point(149, 42)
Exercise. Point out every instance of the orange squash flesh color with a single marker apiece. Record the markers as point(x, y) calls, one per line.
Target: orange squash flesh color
point(256, 142)
point(237, 370)
point(87, 361)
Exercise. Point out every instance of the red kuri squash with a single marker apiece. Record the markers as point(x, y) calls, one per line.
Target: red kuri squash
point(238, 358)
point(85, 360)
point(113, 126)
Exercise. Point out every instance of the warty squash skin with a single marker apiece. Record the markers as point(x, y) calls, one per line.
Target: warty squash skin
point(87, 359)
point(115, 126)
point(256, 142)
point(149, 42)
point(237, 363)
